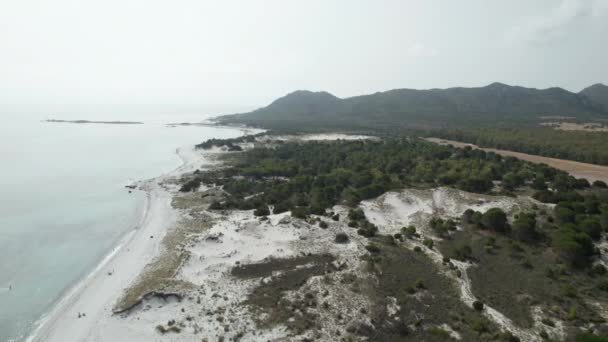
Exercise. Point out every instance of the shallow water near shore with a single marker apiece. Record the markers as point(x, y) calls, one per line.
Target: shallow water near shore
point(63, 204)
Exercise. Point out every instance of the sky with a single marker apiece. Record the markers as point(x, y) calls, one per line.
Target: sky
point(189, 55)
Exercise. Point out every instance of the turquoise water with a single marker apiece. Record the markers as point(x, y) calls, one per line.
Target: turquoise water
point(63, 204)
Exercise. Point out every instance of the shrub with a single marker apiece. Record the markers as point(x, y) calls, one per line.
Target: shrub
point(299, 212)
point(507, 336)
point(409, 231)
point(280, 207)
point(261, 211)
point(336, 217)
point(442, 227)
point(479, 325)
point(191, 185)
point(367, 229)
point(548, 322)
point(464, 252)
point(591, 338)
point(428, 243)
point(215, 205)
point(598, 270)
point(323, 224)
point(478, 305)
point(366, 232)
point(356, 214)
point(171, 328)
point(341, 238)
point(373, 249)
point(569, 291)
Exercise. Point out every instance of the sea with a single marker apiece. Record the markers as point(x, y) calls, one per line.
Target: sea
point(63, 201)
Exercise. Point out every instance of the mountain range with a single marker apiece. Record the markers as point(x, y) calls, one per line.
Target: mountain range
point(491, 105)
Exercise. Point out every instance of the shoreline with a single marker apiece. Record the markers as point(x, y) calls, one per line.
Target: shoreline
point(215, 293)
point(95, 294)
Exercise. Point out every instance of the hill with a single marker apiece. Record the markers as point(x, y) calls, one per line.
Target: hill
point(495, 104)
point(598, 93)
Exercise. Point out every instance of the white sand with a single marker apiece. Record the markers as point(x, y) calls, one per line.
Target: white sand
point(394, 210)
point(96, 295)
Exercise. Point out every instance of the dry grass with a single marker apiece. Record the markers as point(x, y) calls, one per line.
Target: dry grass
point(159, 275)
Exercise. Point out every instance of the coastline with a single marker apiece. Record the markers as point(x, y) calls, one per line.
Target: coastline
point(231, 255)
point(96, 293)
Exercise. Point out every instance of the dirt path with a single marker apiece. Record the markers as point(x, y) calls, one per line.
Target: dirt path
point(591, 172)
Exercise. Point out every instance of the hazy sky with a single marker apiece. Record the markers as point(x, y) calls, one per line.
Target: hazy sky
point(239, 54)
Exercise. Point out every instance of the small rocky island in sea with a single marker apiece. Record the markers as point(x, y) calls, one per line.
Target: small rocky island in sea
point(97, 122)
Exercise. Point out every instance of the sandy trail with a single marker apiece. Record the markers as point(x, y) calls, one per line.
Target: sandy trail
point(96, 294)
point(591, 172)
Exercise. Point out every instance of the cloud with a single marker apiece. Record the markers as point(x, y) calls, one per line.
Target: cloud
point(421, 50)
point(558, 22)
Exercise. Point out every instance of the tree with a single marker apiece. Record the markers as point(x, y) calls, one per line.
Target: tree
point(476, 184)
point(600, 184)
point(495, 219)
point(604, 220)
point(510, 181)
point(563, 215)
point(524, 227)
point(573, 245)
point(539, 184)
point(467, 216)
point(591, 227)
point(280, 207)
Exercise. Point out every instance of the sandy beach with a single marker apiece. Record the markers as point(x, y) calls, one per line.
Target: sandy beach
point(94, 297)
